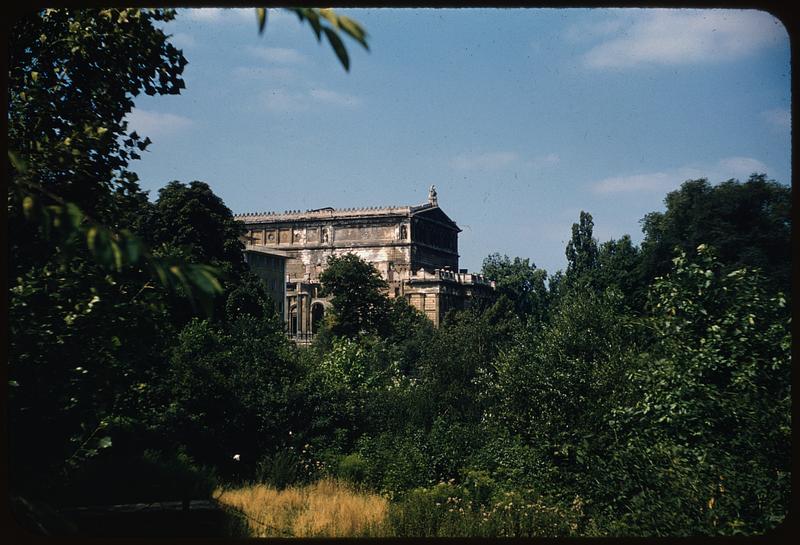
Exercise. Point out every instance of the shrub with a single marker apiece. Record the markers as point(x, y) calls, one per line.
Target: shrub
point(153, 475)
point(450, 510)
point(395, 462)
point(280, 469)
point(352, 468)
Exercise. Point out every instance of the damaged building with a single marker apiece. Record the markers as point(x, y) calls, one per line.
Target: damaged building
point(415, 249)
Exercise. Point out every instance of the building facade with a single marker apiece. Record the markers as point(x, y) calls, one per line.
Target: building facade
point(415, 249)
point(270, 265)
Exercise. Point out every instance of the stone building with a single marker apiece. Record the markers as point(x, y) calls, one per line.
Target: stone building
point(270, 265)
point(415, 249)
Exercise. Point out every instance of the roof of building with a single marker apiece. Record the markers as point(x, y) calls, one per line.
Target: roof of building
point(329, 212)
point(432, 212)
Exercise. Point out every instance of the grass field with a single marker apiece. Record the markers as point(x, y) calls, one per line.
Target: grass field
point(327, 508)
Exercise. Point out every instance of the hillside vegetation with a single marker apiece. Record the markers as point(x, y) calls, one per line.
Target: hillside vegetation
point(645, 390)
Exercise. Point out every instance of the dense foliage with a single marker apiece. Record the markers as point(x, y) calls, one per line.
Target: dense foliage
point(643, 391)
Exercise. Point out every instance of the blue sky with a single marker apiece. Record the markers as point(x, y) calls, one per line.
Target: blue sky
point(521, 118)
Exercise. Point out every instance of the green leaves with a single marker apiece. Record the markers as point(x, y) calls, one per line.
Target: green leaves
point(69, 93)
point(67, 225)
point(261, 15)
point(338, 47)
point(336, 23)
point(359, 304)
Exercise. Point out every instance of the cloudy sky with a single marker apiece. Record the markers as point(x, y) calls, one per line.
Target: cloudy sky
point(521, 118)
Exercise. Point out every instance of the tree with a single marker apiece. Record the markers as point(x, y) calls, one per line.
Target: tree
point(68, 98)
point(749, 224)
point(89, 318)
point(707, 437)
point(556, 386)
point(521, 282)
point(227, 388)
point(581, 252)
point(71, 193)
point(359, 302)
point(192, 219)
point(249, 296)
point(409, 330)
point(619, 265)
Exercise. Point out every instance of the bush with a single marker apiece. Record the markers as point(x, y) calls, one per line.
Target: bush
point(352, 468)
point(279, 470)
point(451, 510)
point(395, 462)
point(154, 475)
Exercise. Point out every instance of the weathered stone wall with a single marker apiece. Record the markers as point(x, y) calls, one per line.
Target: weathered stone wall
point(309, 244)
point(415, 249)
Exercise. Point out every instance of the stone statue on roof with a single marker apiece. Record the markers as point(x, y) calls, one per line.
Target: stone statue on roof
point(432, 197)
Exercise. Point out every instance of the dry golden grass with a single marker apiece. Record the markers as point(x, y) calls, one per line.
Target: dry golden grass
point(327, 508)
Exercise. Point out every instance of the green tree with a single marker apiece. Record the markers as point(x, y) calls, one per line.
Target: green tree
point(89, 313)
point(708, 442)
point(249, 296)
point(90, 318)
point(358, 299)
point(457, 357)
point(193, 220)
point(83, 348)
point(521, 282)
point(71, 192)
point(619, 265)
point(749, 224)
point(581, 252)
point(228, 389)
point(409, 330)
point(68, 99)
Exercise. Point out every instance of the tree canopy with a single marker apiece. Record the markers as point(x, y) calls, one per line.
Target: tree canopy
point(581, 251)
point(190, 218)
point(356, 289)
point(520, 281)
point(747, 223)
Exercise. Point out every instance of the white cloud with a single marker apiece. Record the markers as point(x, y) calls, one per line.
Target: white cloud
point(282, 100)
point(672, 37)
point(660, 182)
point(740, 167)
point(332, 97)
point(778, 118)
point(285, 101)
point(484, 161)
point(156, 124)
point(654, 181)
point(221, 15)
point(277, 55)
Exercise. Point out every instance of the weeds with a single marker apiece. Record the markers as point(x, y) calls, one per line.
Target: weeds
point(327, 508)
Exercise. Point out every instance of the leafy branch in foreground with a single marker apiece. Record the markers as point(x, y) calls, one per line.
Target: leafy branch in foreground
point(66, 223)
point(336, 23)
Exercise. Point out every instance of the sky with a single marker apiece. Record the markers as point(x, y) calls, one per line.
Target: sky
point(522, 118)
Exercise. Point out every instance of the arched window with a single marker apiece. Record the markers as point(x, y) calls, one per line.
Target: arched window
point(317, 314)
point(293, 320)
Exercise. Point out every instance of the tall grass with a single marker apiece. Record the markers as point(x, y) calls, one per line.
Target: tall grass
point(327, 508)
